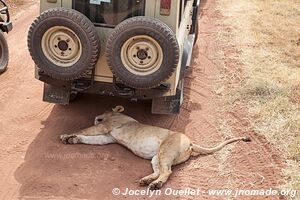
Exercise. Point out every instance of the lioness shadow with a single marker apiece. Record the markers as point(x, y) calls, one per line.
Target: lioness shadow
point(54, 170)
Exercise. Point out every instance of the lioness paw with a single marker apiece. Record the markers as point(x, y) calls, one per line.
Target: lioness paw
point(144, 181)
point(156, 185)
point(69, 139)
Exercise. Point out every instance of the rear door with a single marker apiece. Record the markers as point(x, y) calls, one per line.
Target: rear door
point(106, 14)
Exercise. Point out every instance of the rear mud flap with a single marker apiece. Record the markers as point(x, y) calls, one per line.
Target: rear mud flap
point(167, 105)
point(56, 95)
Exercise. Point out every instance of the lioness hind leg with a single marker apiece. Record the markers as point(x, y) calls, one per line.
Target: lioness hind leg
point(86, 139)
point(164, 173)
point(150, 178)
point(174, 150)
point(166, 156)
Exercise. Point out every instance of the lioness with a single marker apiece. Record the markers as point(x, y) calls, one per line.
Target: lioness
point(166, 148)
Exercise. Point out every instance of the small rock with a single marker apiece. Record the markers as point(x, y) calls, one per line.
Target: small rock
point(112, 159)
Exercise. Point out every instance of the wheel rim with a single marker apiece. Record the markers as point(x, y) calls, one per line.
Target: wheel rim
point(141, 55)
point(61, 46)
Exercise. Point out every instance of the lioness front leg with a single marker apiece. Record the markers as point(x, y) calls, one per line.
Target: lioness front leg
point(96, 135)
point(87, 139)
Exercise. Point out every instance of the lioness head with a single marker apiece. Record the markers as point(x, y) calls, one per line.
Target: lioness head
point(109, 115)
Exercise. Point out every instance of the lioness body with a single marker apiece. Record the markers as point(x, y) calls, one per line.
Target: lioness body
point(164, 147)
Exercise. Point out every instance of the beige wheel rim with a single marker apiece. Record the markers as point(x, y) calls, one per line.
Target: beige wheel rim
point(141, 55)
point(61, 46)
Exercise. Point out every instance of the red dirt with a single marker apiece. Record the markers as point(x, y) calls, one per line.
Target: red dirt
point(34, 164)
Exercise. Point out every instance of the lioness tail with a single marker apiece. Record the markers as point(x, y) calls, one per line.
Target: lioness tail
point(198, 150)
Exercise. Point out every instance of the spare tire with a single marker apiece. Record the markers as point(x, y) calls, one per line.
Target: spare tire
point(3, 53)
point(142, 52)
point(63, 43)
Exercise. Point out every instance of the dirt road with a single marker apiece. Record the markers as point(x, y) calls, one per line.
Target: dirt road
point(35, 165)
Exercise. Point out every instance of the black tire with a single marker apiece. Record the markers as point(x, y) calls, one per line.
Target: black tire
point(4, 54)
point(196, 31)
point(153, 28)
point(83, 29)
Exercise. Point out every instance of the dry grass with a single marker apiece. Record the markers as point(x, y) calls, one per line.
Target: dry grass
point(267, 33)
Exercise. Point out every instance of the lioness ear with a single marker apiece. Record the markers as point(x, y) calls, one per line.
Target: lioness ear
point(118, 109)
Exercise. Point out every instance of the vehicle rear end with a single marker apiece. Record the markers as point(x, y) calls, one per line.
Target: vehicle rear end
point(138, 49)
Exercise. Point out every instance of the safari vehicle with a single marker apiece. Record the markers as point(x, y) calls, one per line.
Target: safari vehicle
point(5, 26)
point(137, 49)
